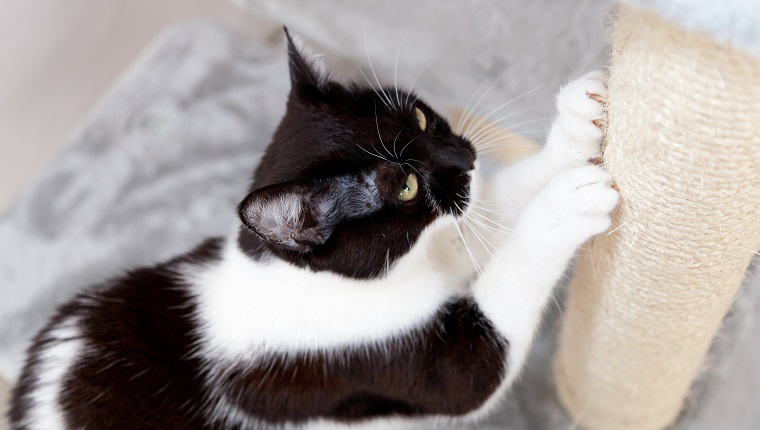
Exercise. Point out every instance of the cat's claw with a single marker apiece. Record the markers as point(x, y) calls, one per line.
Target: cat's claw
point(578, 130)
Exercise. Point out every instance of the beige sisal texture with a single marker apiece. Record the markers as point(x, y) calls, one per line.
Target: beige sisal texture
point(683, 147)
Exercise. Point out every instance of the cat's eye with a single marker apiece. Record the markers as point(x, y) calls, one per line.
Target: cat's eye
point(409, 190)
point(421, 118)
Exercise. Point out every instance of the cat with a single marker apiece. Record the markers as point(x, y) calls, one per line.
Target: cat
point(375, 279)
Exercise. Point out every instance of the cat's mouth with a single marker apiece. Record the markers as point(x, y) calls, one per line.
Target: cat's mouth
point(457, 200)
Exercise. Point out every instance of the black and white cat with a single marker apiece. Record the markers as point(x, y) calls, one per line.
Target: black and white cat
point(376, 280)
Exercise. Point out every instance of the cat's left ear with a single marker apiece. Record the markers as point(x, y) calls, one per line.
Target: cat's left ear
point(307, 70)
point(300, 215)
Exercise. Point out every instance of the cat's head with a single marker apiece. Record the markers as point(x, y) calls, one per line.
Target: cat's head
point(353, 175)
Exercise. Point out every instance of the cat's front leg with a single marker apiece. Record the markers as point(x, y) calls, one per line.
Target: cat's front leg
point(518, 281)
point(575, 138)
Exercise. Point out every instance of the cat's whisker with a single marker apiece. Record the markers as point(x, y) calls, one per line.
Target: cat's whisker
point(477, 206)
point(494, 207)
point(513, 113)
point(476, 264)
point(372, 68)
point(493, 131)
point(401, 154)
point(497, 135)
point(499, 121)
point(373, 154)
point(472, 97)
point(411, 87)
point(415, 169)
point(503, 141)
point(477, 203)
point(395, 69)
point(488, 123)
point(483, 118)
point(377, 124)
point(469, 252)
point(416, 161)
point(467, 108)
point(500, 228)
point(370, 84)
point(490, 247)
point(490, 151)
point(394, 144)
point(482, 235)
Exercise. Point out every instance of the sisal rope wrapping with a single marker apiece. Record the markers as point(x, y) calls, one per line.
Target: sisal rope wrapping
point(683, 146)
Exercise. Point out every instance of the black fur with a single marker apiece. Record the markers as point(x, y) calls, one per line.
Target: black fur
point(334, 130)
point(450, 367)
point(140, 368)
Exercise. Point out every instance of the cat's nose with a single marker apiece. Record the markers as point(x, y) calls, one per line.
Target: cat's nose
point(460, 158)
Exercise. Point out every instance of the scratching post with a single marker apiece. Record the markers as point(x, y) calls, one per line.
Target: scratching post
point(683, 147)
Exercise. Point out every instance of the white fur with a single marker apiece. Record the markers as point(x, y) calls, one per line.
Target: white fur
point(282, 211)
point(55, 360)
point(248, 306)
point(554, 201)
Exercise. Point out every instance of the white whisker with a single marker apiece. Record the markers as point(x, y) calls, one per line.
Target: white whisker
point(467, 109)
point(488, 132)
point(372, 68)
point(394, 143)
point(484, 118)
point(502, 228)
point(373, 154)
point(411, 87)
point(458, 128)
point(401, 154)
point(415, 169)
point(370, 84)
point(395, 69)
point(377, 125)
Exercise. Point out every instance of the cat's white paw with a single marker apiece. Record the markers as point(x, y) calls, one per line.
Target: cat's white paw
point(573, 207)
point(577, 132)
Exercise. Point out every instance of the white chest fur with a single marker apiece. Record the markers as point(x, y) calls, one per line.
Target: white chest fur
point(250, 306)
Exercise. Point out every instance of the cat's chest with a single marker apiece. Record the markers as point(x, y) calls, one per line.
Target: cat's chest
point(249, 306)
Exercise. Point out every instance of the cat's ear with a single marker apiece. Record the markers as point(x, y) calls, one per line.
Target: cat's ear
point(301, 215)
point(307, 70)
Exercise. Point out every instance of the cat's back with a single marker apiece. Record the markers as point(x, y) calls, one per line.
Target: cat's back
point(120, 352)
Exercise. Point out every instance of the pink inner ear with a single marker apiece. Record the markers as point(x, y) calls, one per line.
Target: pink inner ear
point(302, 214)
point(275, 217)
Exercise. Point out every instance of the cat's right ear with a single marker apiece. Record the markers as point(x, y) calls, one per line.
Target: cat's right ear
point(301, 215)
point(308, 75)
